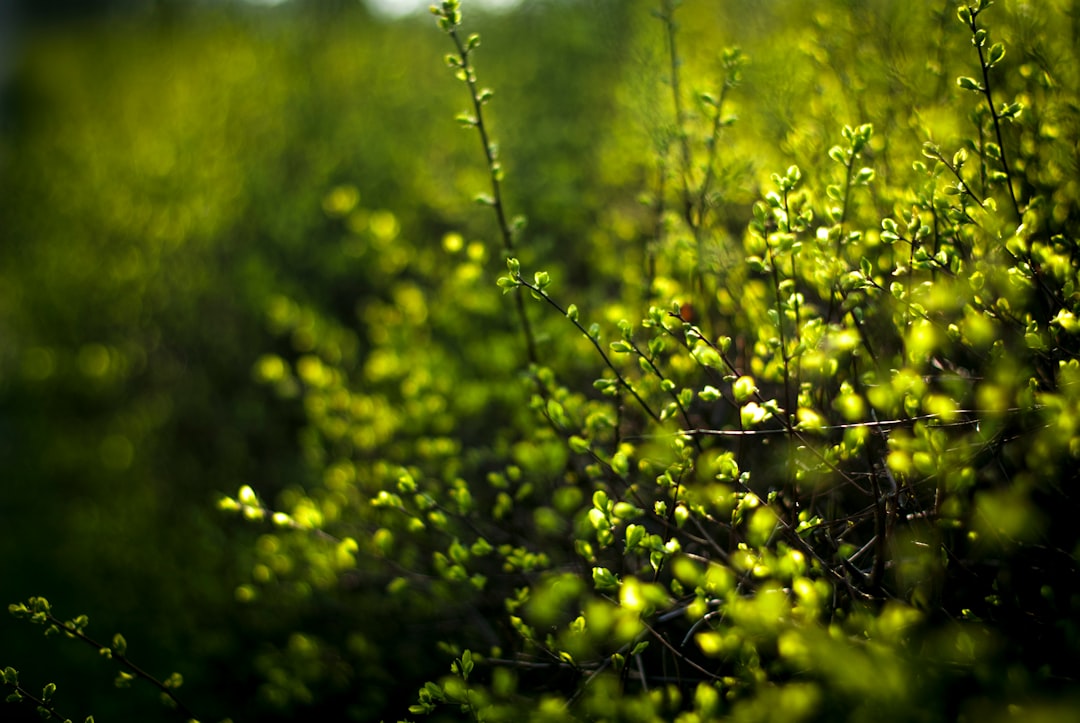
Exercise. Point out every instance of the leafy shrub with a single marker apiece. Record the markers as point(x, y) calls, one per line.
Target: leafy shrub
point(763, 445)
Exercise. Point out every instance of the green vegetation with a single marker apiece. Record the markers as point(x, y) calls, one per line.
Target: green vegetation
point(748, 388)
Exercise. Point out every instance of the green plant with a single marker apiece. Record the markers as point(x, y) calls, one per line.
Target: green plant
point(37, 610)
point(770, 446)
point(899, 372)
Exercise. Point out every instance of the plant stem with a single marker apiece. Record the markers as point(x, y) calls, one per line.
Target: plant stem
point(592, 339)
point(495, 173)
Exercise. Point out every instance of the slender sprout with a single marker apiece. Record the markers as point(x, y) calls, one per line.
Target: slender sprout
point(38, 610)
point(449, 18)
point(932, 151)
point(667, 16)
point(43, 703)
point(651, 363)
point(969, 15)
point(517, 280)
point(732, 58)
point(695, 201)
point(777, 288)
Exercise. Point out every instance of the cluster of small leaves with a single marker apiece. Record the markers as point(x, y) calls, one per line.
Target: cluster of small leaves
point(454, 691)
point(42, 703)
point(778, 473)
point(859, 355)
point(38, 611)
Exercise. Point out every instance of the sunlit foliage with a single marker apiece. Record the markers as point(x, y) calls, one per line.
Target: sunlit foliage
point(747, 388)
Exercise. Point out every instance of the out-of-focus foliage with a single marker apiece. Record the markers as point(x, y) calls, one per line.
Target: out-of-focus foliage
point(796, 440)
point(185, 193)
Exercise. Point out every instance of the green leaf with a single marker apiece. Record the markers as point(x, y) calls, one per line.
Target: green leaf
point(997, 52)
point(11, 676)
point(604, 579)
point(865, 267)
point(119, 644)
point(607, 386)
point(620, 464)
point(968, 83)
point(744, 389)
point(1011, 111)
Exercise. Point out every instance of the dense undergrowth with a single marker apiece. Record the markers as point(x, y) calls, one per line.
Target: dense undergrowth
point(766, 406)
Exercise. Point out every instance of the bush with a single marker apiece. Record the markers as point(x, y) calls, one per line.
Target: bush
point(732, 443)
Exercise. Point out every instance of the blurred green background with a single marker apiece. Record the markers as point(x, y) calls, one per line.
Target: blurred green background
point(165, 171)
